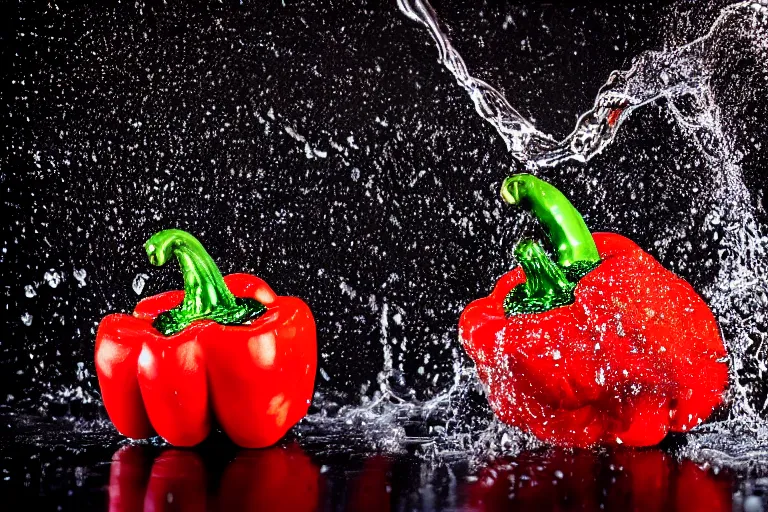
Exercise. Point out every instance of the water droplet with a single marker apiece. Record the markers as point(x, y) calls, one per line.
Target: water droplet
point(82, 372)
point(53, 278)
point(80, 276)
point(753, 504)
point(138, 283)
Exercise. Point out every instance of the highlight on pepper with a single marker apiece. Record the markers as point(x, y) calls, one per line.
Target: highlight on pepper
point(225, 351)
point(601, 346)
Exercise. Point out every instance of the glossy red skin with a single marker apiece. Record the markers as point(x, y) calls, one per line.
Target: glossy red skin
point(276, 478)
point(638, 354)
point(629, 480)
point(255, 381)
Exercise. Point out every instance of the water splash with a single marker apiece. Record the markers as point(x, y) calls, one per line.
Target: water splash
point(447, 423)
point(29, 291)
point(80, 276)
point(456, 421)
point(520, 136)
point(679, 75)
point(53, 278)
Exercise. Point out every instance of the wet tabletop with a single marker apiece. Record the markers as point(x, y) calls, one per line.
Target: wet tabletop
point(66, 466)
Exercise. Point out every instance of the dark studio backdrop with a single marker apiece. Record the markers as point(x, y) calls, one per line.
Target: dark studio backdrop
point(321, 146)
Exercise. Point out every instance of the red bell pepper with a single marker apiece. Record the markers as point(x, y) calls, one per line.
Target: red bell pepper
point(604, 346)
point(226, 349)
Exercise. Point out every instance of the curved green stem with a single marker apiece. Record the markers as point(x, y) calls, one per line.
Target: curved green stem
point(548, 284)
point(206, 296)
point(569, 234)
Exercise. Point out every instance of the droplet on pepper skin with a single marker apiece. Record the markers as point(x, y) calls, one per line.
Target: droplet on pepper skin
point(263, 349)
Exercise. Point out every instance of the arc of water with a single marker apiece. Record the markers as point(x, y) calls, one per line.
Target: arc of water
point(682, 71)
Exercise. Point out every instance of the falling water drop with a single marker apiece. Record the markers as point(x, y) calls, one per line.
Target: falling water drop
point(53, 278)
point(138, 283)
point(80, 276)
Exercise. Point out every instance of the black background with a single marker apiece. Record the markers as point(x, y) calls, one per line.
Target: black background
point(129, 118)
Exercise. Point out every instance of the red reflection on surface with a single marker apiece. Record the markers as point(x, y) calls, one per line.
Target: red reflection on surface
point(177, 482)
point(371, 490)
point(277, 478)
point(273, 479)
point(128, 477)
point(640, 480)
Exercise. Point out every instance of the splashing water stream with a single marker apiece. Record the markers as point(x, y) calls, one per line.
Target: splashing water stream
point(674, 75)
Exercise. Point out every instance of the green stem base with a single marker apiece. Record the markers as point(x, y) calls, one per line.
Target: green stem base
point(206, 295)
point(548, 285)
point(177, 319)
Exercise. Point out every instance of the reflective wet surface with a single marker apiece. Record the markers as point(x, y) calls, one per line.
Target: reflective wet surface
point(63, 466)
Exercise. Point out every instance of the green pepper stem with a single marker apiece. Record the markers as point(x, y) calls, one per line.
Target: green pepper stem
point(546, 284)
point(566, 228)
point(544, 277)
point(206, 295)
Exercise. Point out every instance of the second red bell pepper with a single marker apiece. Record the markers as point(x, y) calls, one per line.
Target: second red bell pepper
point(603, 346)
point(225, 351)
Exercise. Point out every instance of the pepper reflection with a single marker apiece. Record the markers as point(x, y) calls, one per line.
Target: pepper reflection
point(371, 489)
point(584, 480)
point(278, 478)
